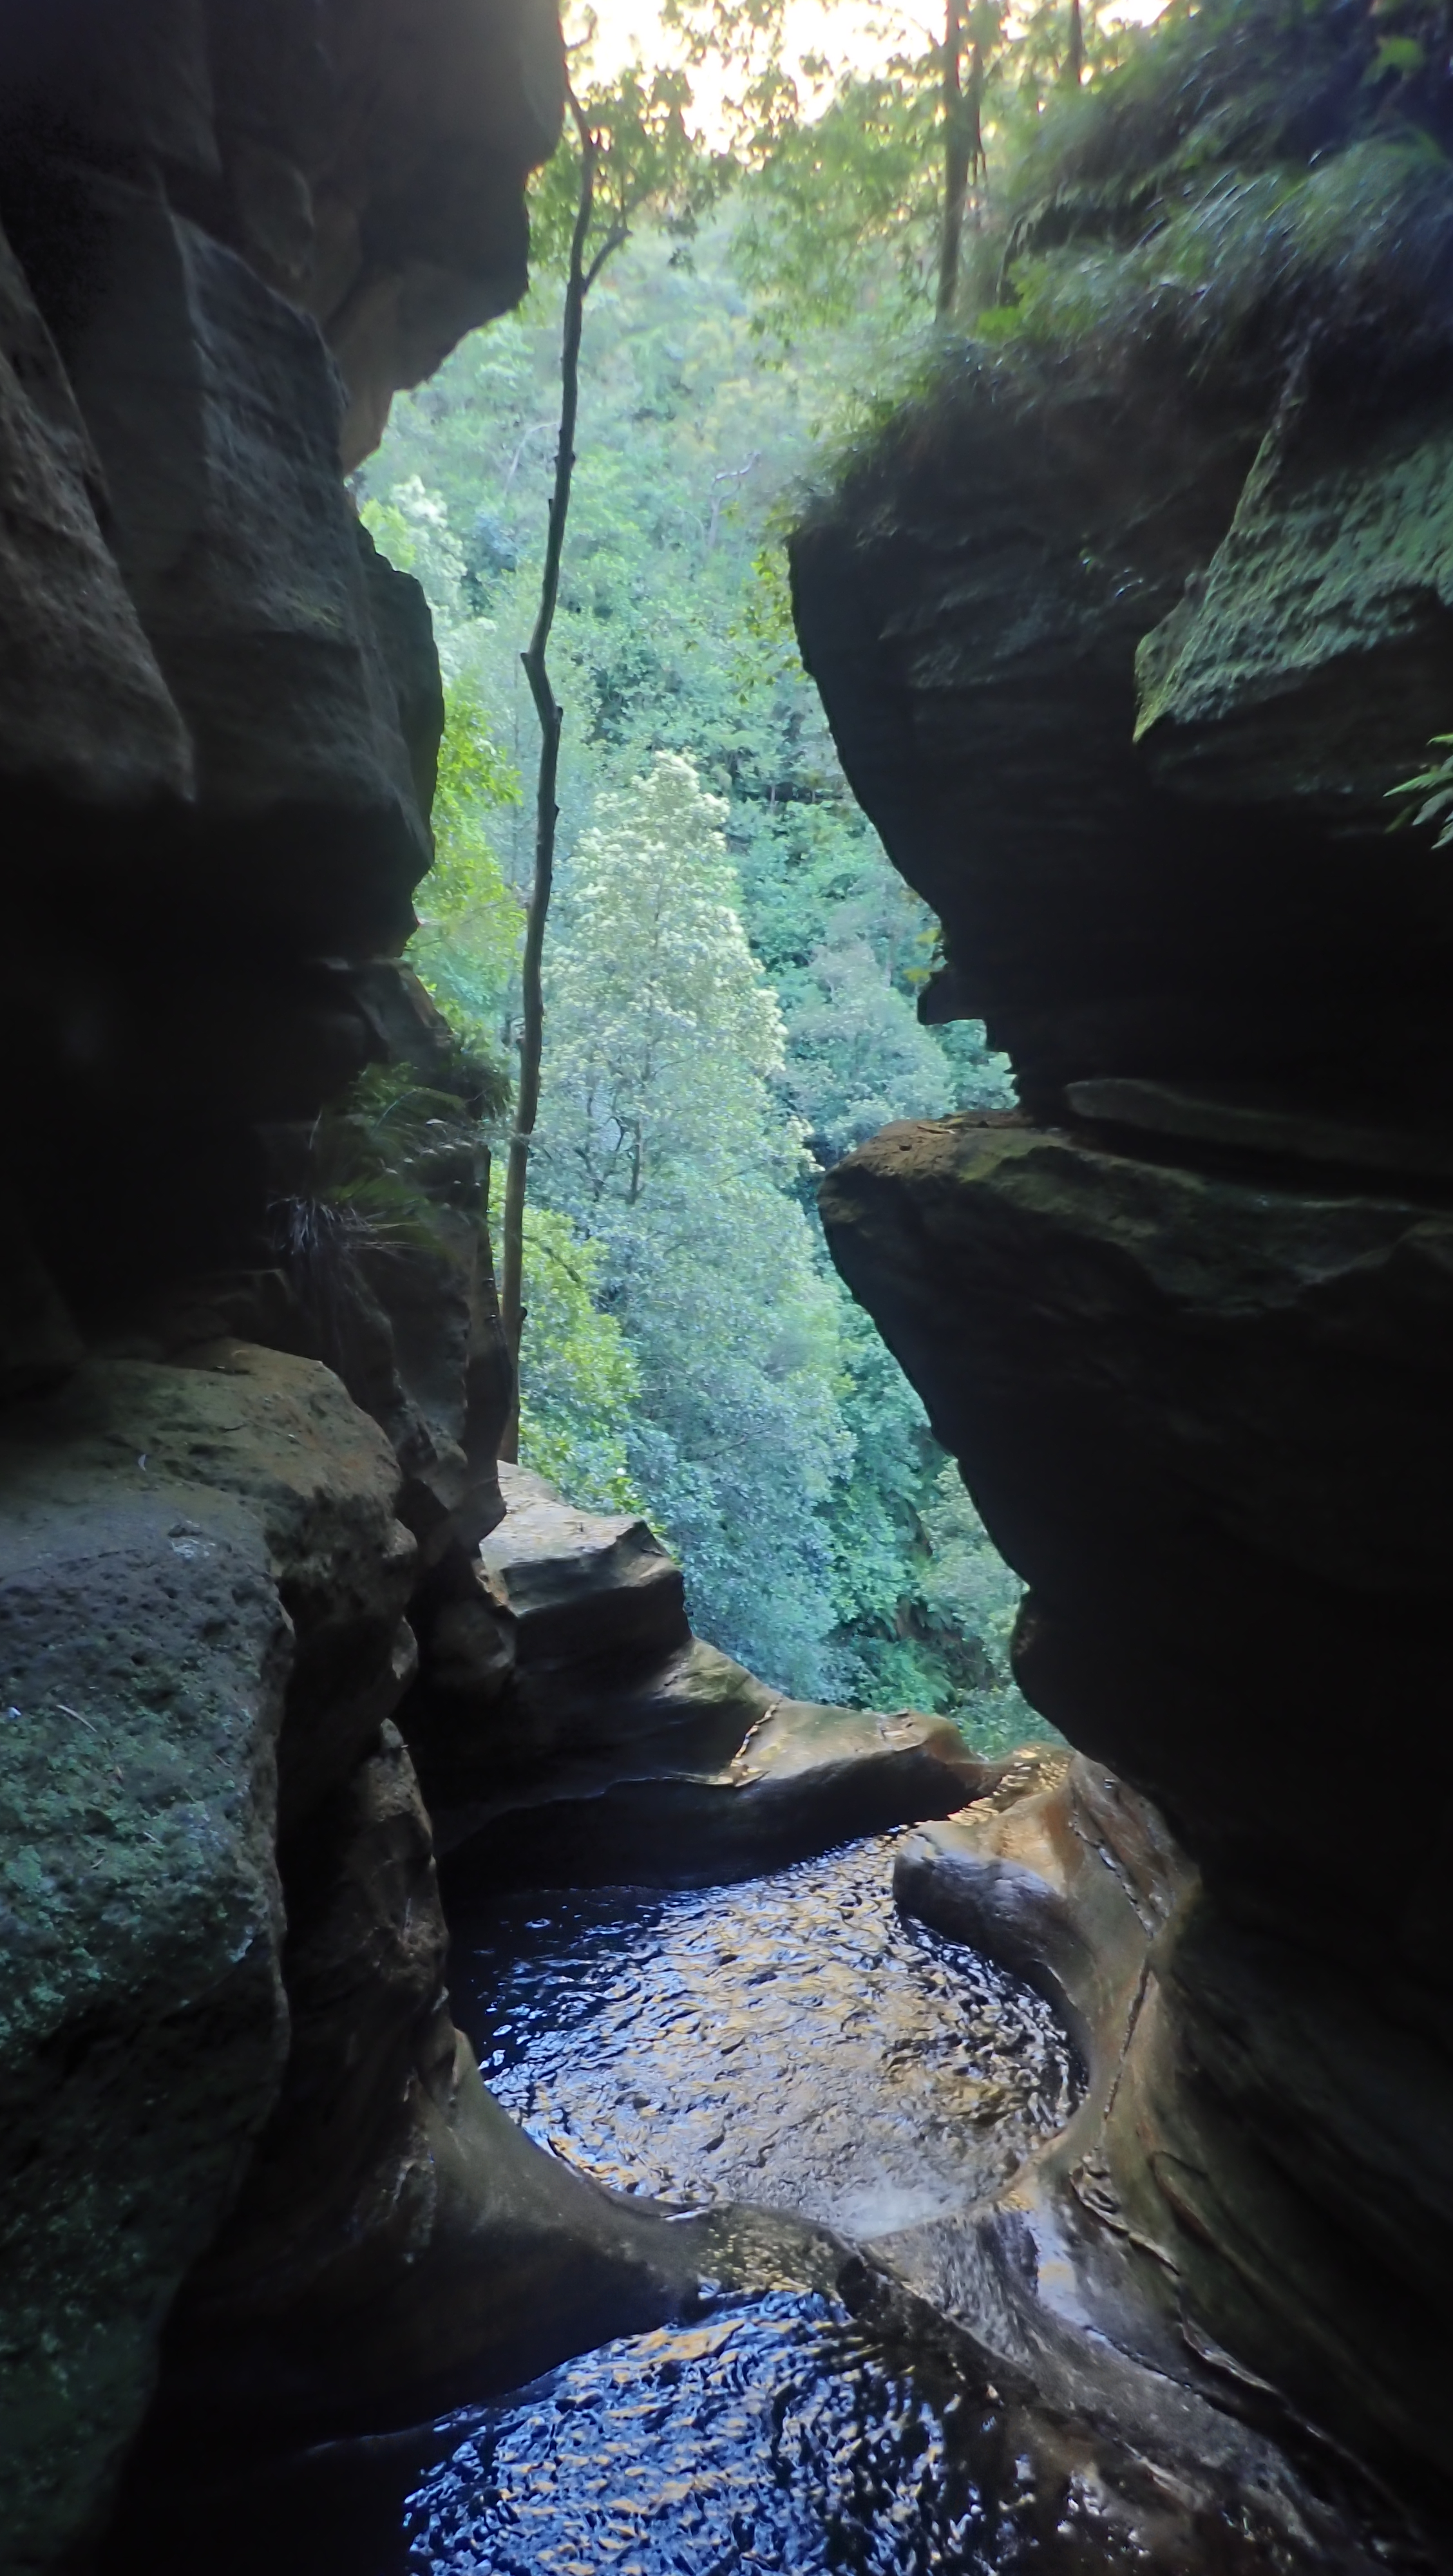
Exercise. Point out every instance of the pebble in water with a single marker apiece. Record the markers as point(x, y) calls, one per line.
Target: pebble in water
point(789, 2041)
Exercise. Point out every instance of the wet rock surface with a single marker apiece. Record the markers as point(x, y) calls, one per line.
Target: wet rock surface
point(985, 2388)
point(394, 2225)
point(570, 1727)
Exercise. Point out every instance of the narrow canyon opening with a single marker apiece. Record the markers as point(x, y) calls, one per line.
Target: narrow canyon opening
point(724, 1358)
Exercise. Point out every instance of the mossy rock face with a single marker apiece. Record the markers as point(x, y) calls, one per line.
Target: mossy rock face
point(183, 1552)
point(1126, 628)
point(143, 2024)
point(1313, 659)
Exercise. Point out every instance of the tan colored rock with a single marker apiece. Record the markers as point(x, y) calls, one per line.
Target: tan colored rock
point(670, 1814)
point(1079, 2294)
point(569, 1725)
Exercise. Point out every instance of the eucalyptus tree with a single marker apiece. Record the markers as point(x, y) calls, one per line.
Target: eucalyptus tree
point(628, 156)
point(666, 1141)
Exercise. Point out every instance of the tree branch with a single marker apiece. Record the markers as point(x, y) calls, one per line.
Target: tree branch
point(580, 277)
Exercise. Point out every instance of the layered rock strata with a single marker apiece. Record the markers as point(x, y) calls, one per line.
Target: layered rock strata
point(571, 1729)
point(229, 235)
point(1069, 2298)
point(1122, 655)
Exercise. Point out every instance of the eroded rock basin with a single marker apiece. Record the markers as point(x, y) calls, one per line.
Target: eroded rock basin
point(793, 2043)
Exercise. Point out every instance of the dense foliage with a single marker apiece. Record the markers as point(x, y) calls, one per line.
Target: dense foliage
point(732, 969)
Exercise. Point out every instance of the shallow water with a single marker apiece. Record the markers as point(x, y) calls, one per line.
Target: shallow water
point(789, 2041)
point(792, 2042)
point(766, 2437)
point(774, 2435)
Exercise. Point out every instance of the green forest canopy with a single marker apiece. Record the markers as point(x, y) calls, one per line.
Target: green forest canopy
point(732, 966)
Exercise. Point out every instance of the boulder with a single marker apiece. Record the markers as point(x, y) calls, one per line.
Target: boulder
point(568, 1726)
point(566, 1639)
point(199, 1572)
point(593, 1604)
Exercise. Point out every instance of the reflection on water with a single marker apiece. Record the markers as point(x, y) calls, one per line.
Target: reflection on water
point(766, 2438)
point(776, 2436)
point(790, 2041)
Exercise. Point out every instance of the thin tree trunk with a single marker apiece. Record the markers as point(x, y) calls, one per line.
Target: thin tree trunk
point(1075, 57)
point(955, 161)
point(532, 1032)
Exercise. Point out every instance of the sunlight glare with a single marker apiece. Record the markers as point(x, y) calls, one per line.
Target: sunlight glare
point(847, 33)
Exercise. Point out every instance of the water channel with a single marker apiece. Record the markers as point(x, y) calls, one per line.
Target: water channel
point(791, 2042)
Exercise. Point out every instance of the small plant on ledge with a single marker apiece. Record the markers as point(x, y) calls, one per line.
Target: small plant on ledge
point(1434, 786)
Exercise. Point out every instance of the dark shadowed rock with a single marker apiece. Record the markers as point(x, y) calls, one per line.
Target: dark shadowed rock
point(1123, 638)
point(83, 704)
point(367, 157)
point(200, 1586)
point(395, 2224)
point(1210, 1423)
point(213, 408)
point(39, 1343)
point(183, 1555)
point(972, 606)
point(1079, 2296)
point(219, 711)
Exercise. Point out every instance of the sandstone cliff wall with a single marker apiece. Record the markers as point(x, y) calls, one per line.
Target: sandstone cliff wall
point(230, 232)
point(1124, 636)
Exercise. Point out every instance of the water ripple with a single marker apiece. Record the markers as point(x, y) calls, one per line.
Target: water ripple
point(789, 2041)
point(769, 2437)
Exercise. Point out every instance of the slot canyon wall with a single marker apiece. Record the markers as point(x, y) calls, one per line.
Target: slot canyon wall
point(1125, 634)
point(229, 234)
